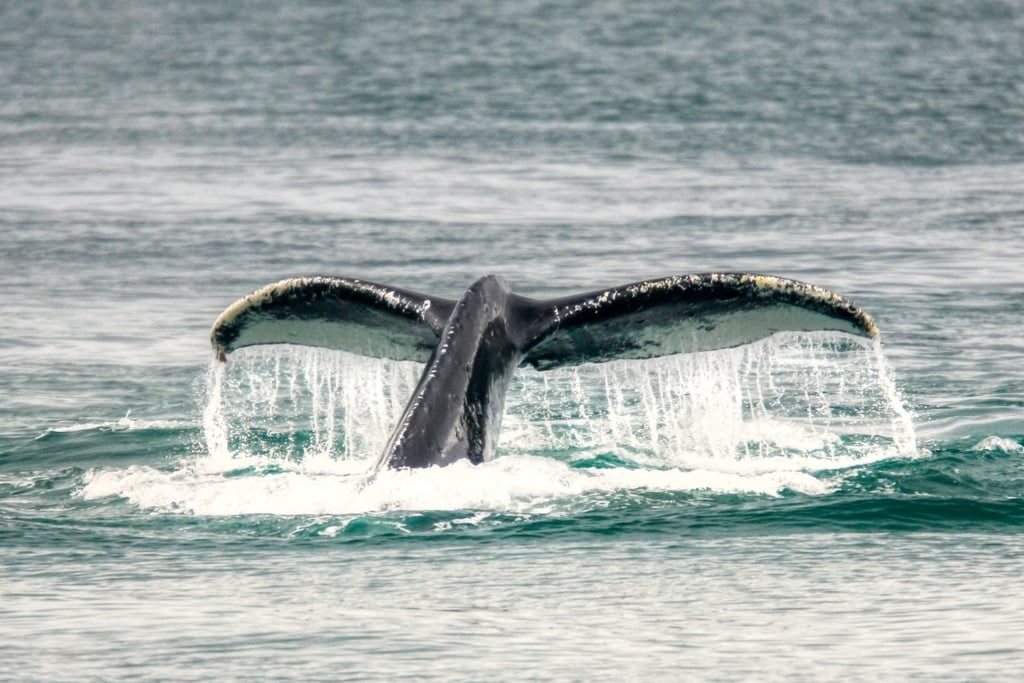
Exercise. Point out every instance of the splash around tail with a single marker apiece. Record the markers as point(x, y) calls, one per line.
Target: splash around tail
point(472, 346)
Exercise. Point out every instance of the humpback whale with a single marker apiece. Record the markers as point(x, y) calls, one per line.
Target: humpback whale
point(473, 345)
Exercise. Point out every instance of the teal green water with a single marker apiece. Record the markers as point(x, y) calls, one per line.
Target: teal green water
point(804, 508)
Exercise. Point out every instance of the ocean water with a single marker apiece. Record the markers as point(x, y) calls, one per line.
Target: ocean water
point(809, 507)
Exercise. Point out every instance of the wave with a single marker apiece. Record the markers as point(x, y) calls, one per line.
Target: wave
point(124, 424)
point(94, 443)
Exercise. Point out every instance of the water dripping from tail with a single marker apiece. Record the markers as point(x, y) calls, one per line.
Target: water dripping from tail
point(303, 405)
point(903, 432)
point(804, 401)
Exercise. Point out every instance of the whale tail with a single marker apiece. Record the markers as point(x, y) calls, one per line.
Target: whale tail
point(677, 314)
point(472, 346)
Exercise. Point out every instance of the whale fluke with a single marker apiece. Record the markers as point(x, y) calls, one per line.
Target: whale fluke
point(472, 346)
point(686, 314)
point(335, 313)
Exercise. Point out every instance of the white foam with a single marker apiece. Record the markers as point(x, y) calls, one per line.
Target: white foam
point(512, 484)
point(998, 443)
